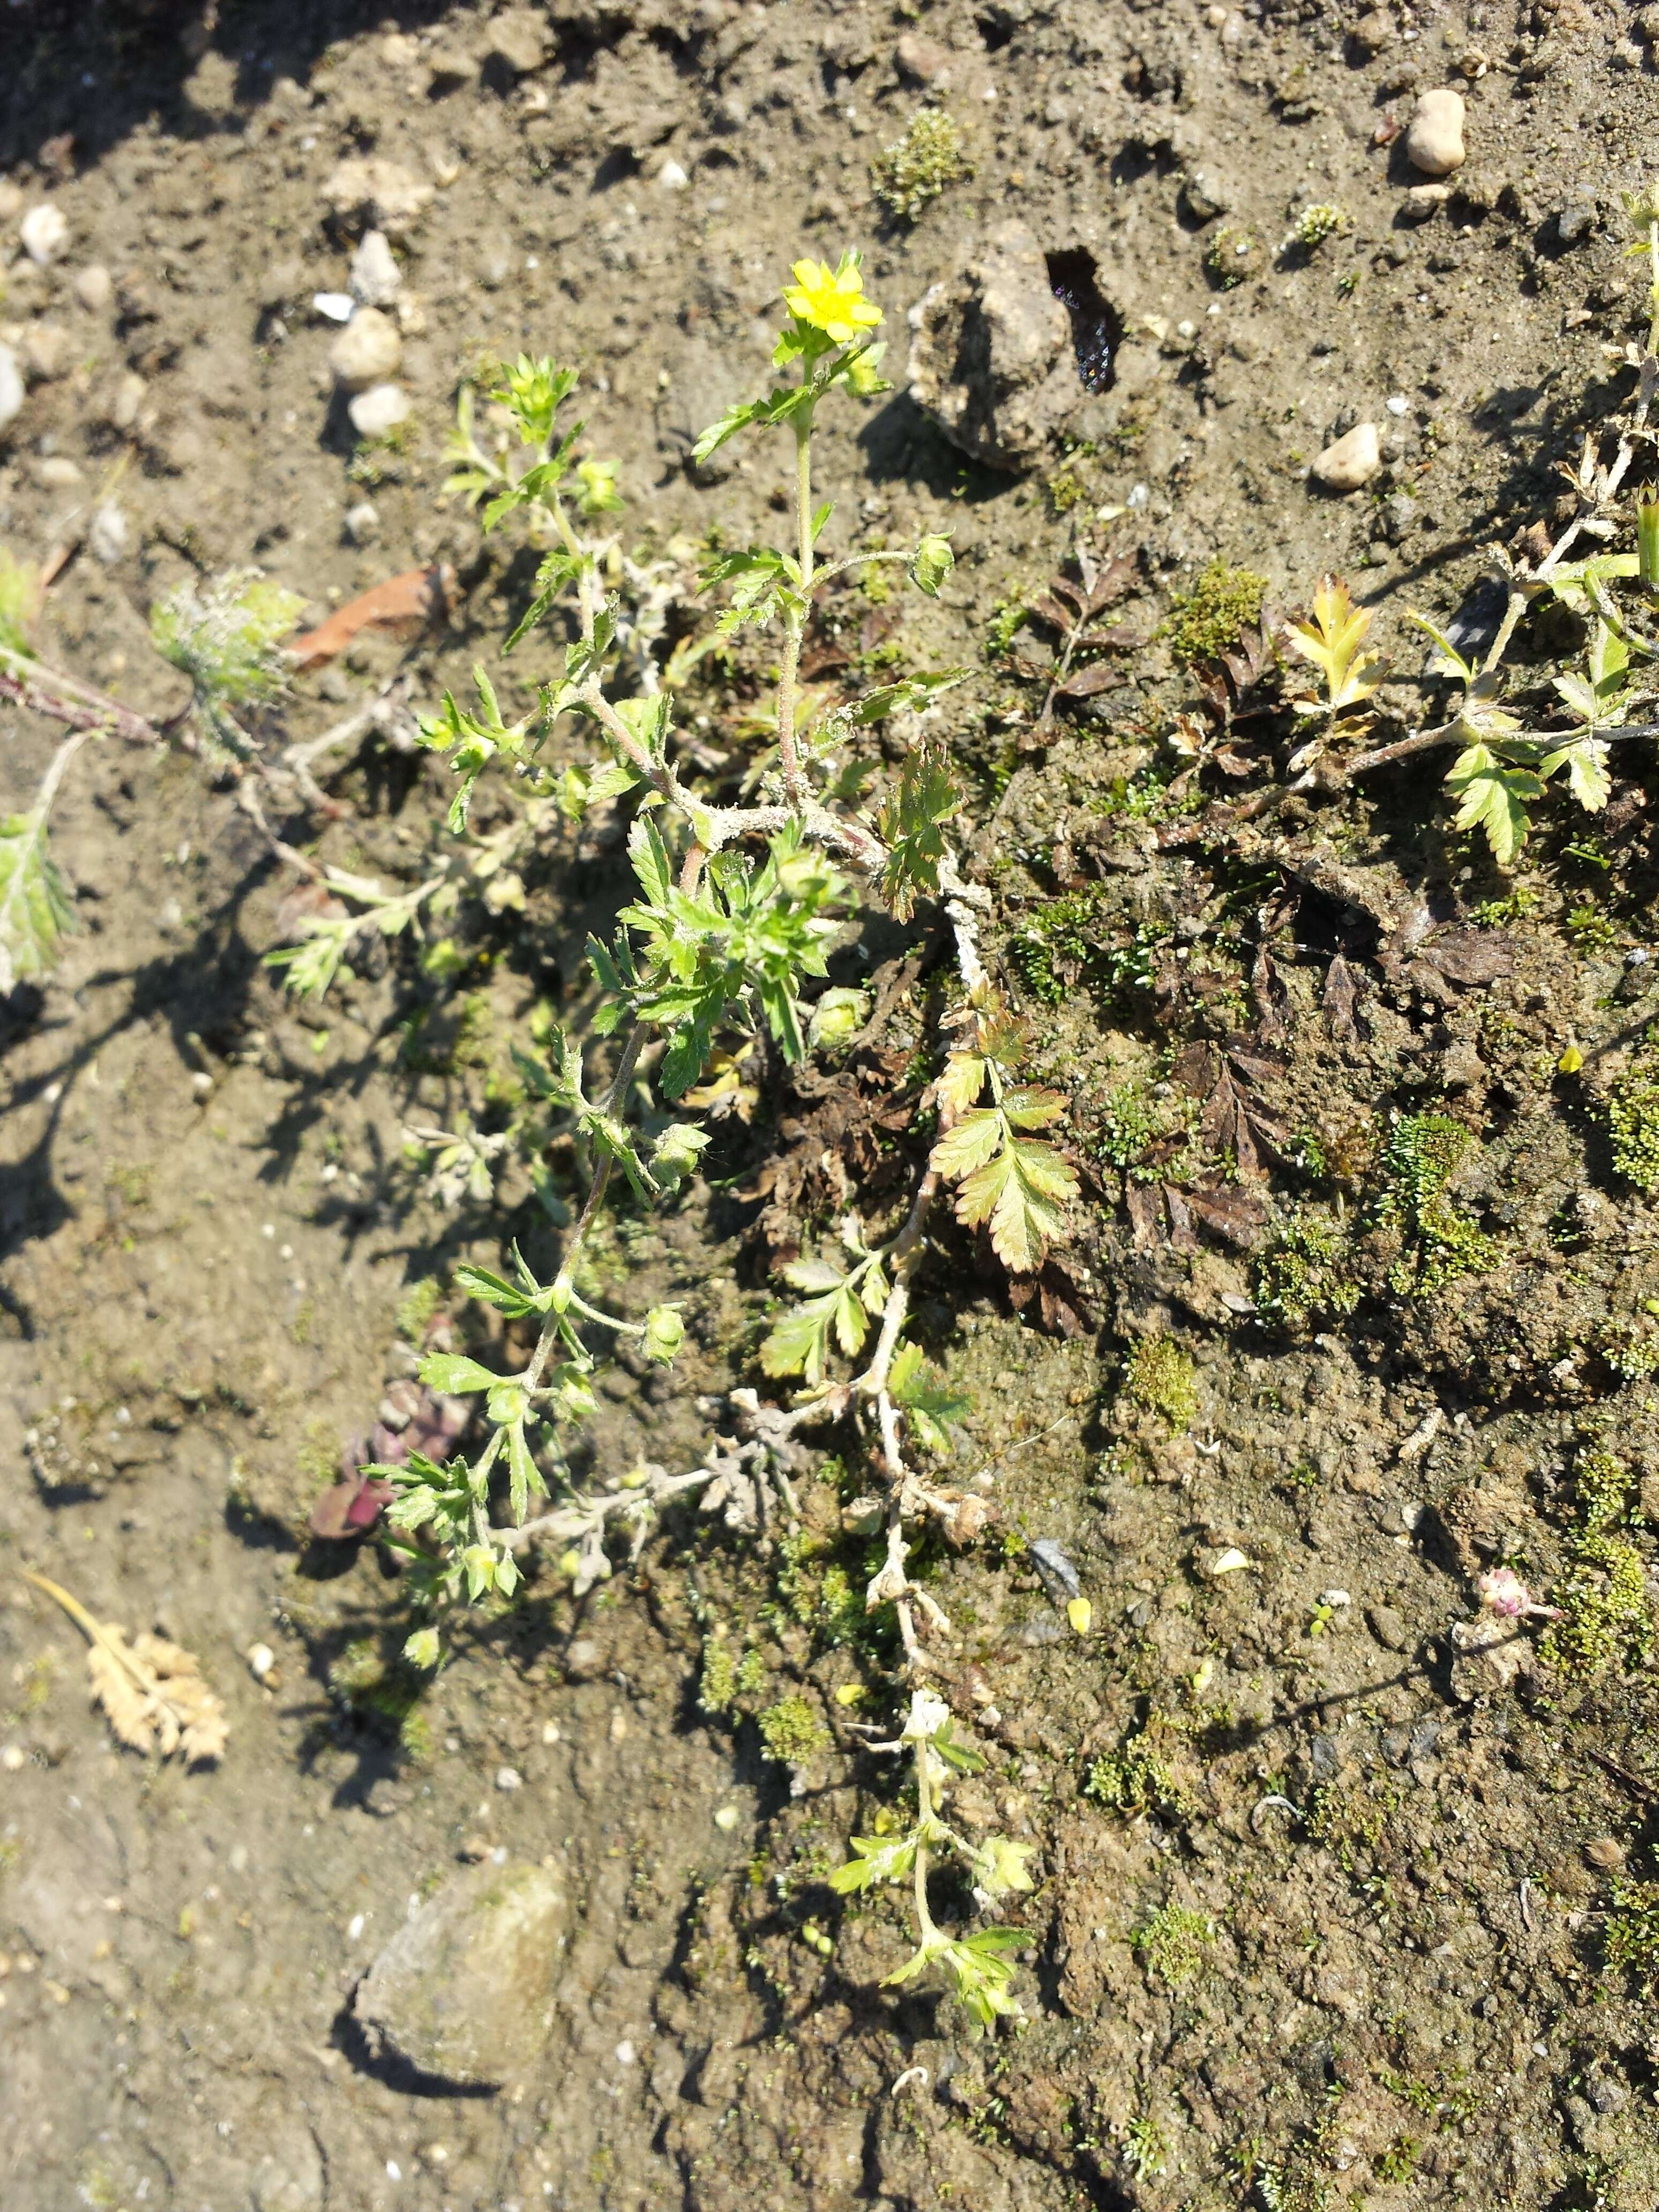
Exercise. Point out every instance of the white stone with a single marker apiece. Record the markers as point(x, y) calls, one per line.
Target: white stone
point(129, 399)
point(57, 472)
point(1352, 461)
point(45, 234)
point(672, 177)
point(11, 387)
point(335, 306)
point(367, 351)
point(378, 410)
point(362, 523)
point(1434, 136)
point(374, 277)
point(93, 288)
point(260, 1659)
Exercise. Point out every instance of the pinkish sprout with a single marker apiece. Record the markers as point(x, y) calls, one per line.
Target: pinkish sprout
point(1504, 1593)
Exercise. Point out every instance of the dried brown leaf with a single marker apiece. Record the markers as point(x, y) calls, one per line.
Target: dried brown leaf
point(151, 1691)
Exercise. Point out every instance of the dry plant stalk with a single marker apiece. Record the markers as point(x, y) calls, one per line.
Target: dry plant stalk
point(151, 1691)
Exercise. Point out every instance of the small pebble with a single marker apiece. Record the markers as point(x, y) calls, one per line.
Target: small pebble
point(57, 472)
point(11, 387)
point(260, 1659)
point(520, 41)
point(1203, 197)
point(1352, 461)
point(367, 351)
point(1421, 201)
point(14, 1758)
point(1605, 1851)
point(46, 351)
point(374, 280)
point(725, 1818)
point(335, 306)
point(1386, 1626)
point(378, 411)
point(920, 61)
point(93, 288)
point(672, 178)
point(508, 1777)
point(362, 523)
point(45, 234)
point(1434, 136)
point(1373, 31)
point(109, 534)
point(129, 399)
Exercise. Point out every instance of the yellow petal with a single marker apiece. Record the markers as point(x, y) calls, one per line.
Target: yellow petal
point(1079, 1612)
point(1571, 1061)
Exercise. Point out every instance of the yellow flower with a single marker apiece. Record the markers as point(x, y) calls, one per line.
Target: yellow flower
point(831, 299)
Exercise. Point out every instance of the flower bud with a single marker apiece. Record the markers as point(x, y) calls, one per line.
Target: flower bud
point(664, 1332)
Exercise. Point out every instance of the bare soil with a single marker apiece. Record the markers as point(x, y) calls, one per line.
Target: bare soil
point(1407, 1867)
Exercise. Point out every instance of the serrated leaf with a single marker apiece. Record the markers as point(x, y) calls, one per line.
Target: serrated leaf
point(910, 823)
point(1493, 800)
point(1586, 763)
point(1332, 641)
point(35, 907)
point(1021, 1193)
point(960, 1082)
point(969, 1143)
point(455, 1375)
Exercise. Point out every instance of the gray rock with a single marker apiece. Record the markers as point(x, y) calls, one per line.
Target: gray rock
point(465, 1989)
point(991, 354)
point(374, 280)
point(1399, 516)
point(110, 534)
point(1576, 221)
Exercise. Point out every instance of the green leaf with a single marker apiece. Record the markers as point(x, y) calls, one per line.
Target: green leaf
point(647, 721)
point(876, 1859)
point(524, 1476)
point(1493, 800)
point(1017, 1184)
point(509, 1298)
point(1586, 763)
point(35, 907)
point(734, 419)
point(1447, 661)
point(554, 577)
point(933, 1406)
point(969, 1143)
point(1570, 582)
point(455, 1374)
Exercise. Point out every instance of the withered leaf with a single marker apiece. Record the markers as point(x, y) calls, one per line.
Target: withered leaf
point(1236, 1216)
point(1084, 683)
point(1231, 1118)
point(1337, 998)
